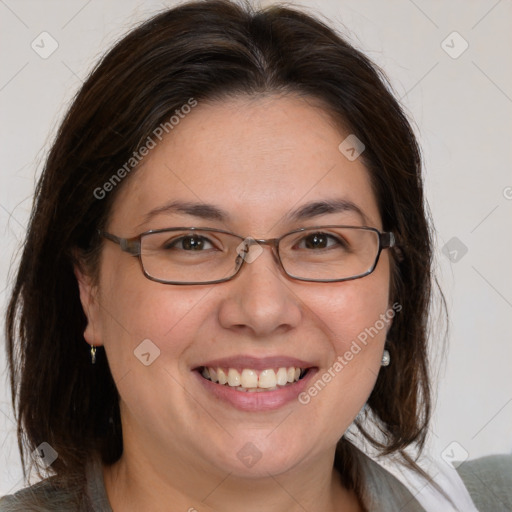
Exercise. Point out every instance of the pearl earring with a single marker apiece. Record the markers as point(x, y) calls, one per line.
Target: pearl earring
point(386, 358)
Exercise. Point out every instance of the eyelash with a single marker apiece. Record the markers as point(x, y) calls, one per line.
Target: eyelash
point(172, 243)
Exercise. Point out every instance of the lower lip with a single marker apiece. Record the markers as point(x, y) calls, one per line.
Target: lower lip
point(259, 400)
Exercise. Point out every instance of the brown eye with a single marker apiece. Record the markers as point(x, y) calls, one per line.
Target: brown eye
point(189, 243)
point(319, 241)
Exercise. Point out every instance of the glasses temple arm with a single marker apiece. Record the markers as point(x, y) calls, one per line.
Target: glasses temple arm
point(129, 245)
point(387, 240)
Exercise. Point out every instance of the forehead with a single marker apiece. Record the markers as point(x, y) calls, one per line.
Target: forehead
point(257, 159)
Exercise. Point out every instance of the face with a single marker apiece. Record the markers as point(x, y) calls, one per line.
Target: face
point(257, 160)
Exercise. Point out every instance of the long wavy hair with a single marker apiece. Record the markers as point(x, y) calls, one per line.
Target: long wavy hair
point(206, 50)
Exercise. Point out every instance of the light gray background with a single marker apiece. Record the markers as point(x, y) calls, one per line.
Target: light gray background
point(462, 109)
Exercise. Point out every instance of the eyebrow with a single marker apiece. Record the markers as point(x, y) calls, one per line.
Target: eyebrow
point(324, 207)
point(212, 212)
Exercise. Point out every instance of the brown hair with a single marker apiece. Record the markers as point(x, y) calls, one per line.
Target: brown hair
point(204, 50)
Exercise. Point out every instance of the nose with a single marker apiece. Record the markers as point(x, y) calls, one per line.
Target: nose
point(260, 299)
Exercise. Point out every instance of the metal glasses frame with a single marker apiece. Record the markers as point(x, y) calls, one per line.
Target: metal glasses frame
point(133, 246)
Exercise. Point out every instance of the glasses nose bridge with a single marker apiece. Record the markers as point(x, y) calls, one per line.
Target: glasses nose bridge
point(273, 243)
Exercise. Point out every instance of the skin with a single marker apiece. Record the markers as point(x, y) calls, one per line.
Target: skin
point(257, 158)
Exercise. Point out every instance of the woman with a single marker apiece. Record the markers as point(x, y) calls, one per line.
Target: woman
point(228, 264)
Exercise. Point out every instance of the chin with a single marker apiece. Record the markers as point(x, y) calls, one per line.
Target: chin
point(259, 454)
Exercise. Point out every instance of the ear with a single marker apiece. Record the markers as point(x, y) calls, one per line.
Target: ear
point(391, 312)
point(90, 304)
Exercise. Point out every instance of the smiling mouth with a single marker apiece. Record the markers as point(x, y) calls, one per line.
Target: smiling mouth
point(249, 380)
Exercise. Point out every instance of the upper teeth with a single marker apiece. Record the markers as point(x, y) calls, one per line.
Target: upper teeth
point(250, 379)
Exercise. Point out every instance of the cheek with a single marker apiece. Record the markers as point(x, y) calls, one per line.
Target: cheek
point(356, 315)
point(135, 310)
point(358, 322)
point(356, 310)
point(149, 329)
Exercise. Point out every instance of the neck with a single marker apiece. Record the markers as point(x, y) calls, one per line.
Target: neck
point(149, 481)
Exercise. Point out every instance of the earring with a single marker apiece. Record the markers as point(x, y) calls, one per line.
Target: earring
point(93, 354)
point(386, 358)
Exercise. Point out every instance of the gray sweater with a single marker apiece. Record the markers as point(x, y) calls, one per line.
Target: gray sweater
point(488, 480)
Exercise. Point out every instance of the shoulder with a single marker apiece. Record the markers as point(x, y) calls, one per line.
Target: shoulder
point(83, 492)
point(489, 482)
point(382, 491)
point(41, 497)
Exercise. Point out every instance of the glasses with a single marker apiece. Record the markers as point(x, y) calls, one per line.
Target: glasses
point(323, 254)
